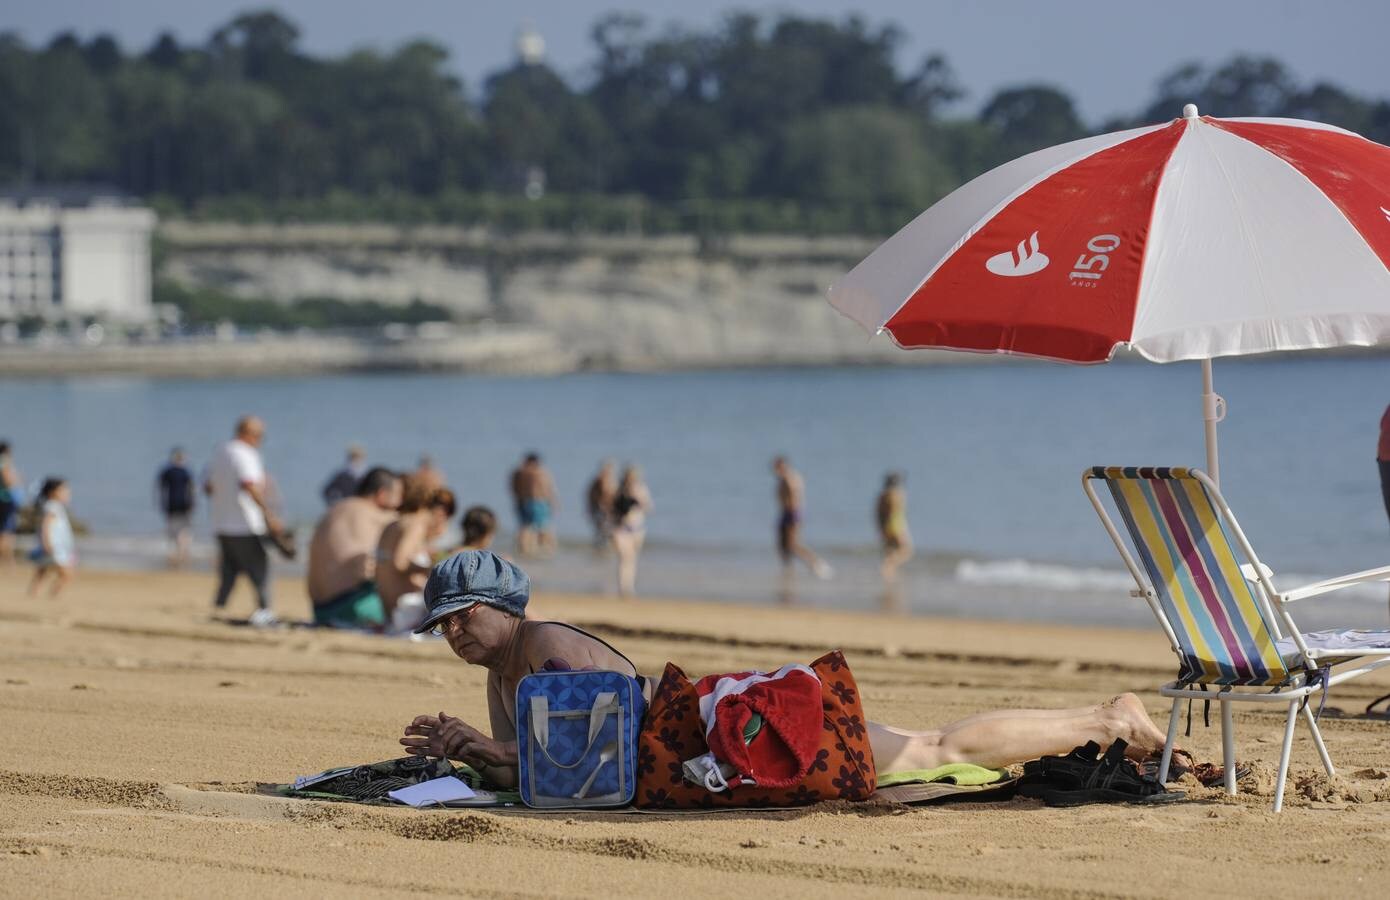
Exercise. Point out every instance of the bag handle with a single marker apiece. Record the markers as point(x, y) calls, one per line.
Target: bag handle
point(605, 704)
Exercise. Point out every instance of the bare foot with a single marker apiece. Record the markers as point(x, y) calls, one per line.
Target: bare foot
point(1134, 726)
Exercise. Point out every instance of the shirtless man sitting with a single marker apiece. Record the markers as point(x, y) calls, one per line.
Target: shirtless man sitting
point(477, 601)
point(342, 553)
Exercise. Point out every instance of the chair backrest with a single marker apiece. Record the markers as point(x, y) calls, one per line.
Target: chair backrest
point(1222, 629)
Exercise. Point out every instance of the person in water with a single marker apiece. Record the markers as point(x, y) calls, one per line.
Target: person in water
point(477, 602)
point(891, 515)
point(630, 507)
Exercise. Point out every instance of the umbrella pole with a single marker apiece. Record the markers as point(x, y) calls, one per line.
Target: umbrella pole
point(1213, 411)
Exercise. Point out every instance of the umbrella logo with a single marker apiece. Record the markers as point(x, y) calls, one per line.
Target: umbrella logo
point(1025, 260)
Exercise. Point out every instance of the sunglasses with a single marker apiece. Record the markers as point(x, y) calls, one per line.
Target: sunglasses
point(462, 617)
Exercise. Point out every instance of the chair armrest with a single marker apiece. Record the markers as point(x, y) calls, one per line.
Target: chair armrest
point(1334, 584)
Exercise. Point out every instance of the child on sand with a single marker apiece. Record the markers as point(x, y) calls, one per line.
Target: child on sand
point(56, 553)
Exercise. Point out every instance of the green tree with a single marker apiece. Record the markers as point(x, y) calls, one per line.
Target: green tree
point(873, 160)
point(1030, 118)
point(534, 119)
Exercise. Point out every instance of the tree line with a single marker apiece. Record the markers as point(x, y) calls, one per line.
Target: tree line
point(783, 123)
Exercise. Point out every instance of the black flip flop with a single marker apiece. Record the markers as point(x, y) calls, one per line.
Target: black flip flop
point(1080, 778)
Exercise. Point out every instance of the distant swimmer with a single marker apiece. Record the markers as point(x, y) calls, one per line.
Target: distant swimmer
point(343, 483)
point(891, 515)
point(428, 474)
point(790, 494)
point(174, 489)
point(598, 502)
point(533, 490)
point(630, 508)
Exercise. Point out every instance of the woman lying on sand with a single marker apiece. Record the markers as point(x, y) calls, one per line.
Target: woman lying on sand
point(477, 601)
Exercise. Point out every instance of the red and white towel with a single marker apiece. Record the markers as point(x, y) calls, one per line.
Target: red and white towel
point(789, 700)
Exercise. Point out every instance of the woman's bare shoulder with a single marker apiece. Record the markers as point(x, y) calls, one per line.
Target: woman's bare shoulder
point(557, 640)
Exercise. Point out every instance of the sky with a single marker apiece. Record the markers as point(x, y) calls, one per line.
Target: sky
point(1107, 56)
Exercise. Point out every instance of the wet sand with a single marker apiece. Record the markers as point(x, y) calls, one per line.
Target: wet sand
point(133, 731)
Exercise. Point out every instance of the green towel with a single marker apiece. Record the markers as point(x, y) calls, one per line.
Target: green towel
point(955, 773)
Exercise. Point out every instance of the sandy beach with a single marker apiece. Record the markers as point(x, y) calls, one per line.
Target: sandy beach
point(133, 731)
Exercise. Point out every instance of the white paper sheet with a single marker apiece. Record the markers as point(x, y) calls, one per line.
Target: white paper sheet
point(437, 791)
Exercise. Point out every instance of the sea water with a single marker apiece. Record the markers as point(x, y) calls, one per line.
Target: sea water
point(993, 455)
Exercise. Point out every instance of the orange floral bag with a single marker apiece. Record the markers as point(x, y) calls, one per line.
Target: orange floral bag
point(672, 733)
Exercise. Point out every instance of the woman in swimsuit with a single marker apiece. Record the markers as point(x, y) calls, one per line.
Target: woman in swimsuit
point(630, 527)
point(891, 514)
point(477, 601)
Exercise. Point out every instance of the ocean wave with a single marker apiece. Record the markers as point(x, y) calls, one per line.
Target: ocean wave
point(1059, 577)
point(1053, 576)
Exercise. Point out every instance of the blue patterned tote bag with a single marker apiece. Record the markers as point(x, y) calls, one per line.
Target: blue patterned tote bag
point(576, 737)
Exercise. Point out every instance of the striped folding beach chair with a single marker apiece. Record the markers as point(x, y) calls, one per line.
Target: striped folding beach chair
point(1218, 606)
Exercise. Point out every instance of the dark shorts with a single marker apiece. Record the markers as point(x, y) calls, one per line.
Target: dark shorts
point(9, 521)
point(786, 529)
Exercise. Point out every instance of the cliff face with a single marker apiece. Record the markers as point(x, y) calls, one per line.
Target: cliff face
point(615, 302)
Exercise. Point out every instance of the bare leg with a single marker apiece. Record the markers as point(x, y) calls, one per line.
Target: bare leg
point(894, 556)
point(624, 543)
point(37, 580)
point(792, 543)
point(1005, 737)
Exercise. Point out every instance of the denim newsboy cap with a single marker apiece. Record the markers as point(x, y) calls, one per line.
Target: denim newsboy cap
point(471, 577)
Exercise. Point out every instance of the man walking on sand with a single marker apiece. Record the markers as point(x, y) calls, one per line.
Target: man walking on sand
point(790, 492)
point(241, 516)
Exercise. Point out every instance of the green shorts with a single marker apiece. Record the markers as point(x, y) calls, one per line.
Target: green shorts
point(359, 607)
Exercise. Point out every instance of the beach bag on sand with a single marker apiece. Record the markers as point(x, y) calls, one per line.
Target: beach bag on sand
point(842, 767)
point(576, 738)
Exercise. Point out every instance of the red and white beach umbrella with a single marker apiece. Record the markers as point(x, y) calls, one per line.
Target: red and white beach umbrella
point(1197, 238)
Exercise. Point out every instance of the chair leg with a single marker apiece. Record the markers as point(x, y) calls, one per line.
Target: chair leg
point(1228, 746)
point(1317, 741)
point(1168, 745)
point(1284, 756)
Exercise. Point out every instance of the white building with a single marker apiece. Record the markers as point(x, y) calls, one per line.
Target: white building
point(74, 252)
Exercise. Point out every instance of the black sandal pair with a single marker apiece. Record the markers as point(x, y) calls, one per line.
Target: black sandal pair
point(1085, 776)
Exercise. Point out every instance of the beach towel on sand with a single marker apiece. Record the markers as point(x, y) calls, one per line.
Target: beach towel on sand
point(371, 783)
